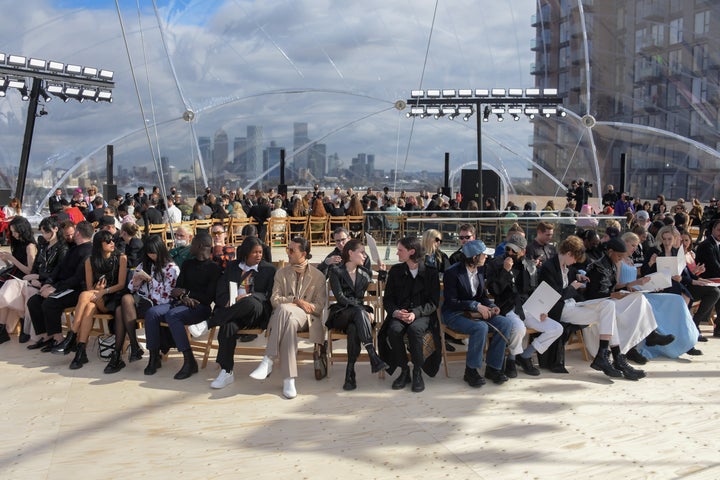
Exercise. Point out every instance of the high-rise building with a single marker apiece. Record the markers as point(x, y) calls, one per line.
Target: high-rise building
point(653, 70)
point(317, 160)
point(271, 157)
point(240, 156)
point(219, 155)
point(300, 138)
point(254, 151)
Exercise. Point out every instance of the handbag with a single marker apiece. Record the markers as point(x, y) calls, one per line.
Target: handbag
point(106, 346)
point(320, 361)
point(142, 304)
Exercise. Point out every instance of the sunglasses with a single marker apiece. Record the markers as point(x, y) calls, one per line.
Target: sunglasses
point(464, 237)
point(109, 241)
point(218, 232)
point(438, 240)
point(339, 240)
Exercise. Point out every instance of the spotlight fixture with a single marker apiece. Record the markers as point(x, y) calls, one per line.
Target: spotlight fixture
point(465, 92)
point(498, 92)
point(36, 63)
point(15, 83)
point(482, 92)
point(548, 111)
point(3, 87)
point(24, 94)
point(432, 110)
point(486, 114)
point(45, 95)
point(413, 94)
point(531, 112)
point(433, 93)
point(16, 60)
point(56, 66)
point(562, 112)
point(448, 93)
point(515, 92)
point(466, 111)
point(417, 110)
point(104, 95)
point(515, 111)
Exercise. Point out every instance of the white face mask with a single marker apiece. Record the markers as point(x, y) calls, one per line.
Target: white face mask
point(181, 243)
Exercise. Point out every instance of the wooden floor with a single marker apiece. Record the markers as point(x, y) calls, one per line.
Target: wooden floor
point(59, 423)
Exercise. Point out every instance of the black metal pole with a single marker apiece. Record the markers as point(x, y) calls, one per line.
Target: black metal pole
point(282, 187)
point(447, 191)
point(623, 173)
point(479, 196)
point(27, 139)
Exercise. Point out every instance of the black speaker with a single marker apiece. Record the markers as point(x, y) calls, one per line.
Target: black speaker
point(282, 189)
point(492, 187)
point(5, 196)
point(109, 192)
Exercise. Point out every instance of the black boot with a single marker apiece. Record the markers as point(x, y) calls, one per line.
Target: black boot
point(510, 368)
point(80, 357)
point(66, 346)
point(418, 385)
point(635, 356)
point(350, 377)
point(115, 364)
point(656, 338)
point(621, 363)
point(497, 376)
point(154, 362)
point(527, 365)
point(136, 353)
point(473, 378)
point(189, 367)
point(4, 337)
point(403, 379)
point(602, 362)
point(376, 363)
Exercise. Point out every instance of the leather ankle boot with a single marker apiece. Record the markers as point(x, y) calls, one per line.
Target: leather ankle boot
point(69, 344)
point(115, 364)
point(136, 353)
point(189, 367)
point(402, 380)
point(350, 383)
point(376, 363)
point(418, 385)
point(154, 363)
point(602, 362)
point(80, 357)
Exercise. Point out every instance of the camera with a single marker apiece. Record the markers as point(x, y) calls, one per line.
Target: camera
point(587, 185)
point(629, 198)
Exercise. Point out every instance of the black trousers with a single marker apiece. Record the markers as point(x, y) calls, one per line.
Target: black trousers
point(709, 298)
point(46, 313)
point(415, 332)
point(355, 321)
point(247, 313)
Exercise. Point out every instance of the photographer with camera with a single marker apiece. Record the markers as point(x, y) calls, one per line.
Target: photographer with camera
point(610, 197)
point(571, 190)
point(624, 205)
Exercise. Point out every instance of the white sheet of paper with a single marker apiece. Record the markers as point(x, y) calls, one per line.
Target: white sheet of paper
point(541, 301)
point(658, 281)
point(374, 253)
point(233, 292)
point(669, 265)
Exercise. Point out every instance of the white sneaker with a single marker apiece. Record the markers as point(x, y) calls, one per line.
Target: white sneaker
point(289, 388)
point(198, 329)
point(263, 370)
point(223, 380)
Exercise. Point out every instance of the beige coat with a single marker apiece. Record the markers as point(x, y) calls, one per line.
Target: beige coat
point(312, 289)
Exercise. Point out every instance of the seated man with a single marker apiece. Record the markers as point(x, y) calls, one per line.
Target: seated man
point(511, 280)
point(193, 296)
point(465, 293)
point(334, 258)
point(253, 279)
point(299, 296)
point(181, 246)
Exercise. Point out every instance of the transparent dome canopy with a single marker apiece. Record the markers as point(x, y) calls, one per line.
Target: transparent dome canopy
point(215, 88)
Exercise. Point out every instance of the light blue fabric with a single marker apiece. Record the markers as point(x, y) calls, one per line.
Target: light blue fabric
point(672, 316)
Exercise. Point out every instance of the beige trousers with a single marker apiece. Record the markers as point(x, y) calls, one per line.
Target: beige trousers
point(286, 320)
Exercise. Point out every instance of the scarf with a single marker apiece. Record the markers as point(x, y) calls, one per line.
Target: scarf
point(300, 268)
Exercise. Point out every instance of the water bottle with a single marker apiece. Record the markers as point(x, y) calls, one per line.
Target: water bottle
point(584, 273)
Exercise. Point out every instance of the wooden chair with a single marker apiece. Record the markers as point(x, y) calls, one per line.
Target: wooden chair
point(201, 346)
point(234, 235)
point(577, 342)
point(318, 230)
point(203, 225)
point(356, 225)
point(447, 331)
point(277, 232)
point(158, 229)
point(298, 226)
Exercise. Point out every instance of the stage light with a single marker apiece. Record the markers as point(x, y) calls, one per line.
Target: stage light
point(448, 93)
point(36, 63)
point(482, 92)
point(435, 93)
point(465, 92)
point(56, 66)
point(17, 60)
point(498, 92)
point(24, 94)
point(73, 69)
point(532, 92)
point(413, 94)
point(515, 92)
point(106, 75)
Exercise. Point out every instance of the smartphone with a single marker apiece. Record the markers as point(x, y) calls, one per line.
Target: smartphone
point(101, 279)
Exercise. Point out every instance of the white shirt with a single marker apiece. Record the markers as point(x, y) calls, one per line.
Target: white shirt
point(173, 214)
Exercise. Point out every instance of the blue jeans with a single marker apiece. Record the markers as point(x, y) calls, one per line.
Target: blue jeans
point(478, 331)
point(176, 318)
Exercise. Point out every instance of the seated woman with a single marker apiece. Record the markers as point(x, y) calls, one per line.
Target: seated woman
point(105, 280)
point(349, 282)
point(687, 284)
point(434, 257)
point(23, 249)
point(191, 302)
point(465, 292)
point(411, 299)
point(133, 244)
point(15, 292)
point(150, 285)
point(671, 312)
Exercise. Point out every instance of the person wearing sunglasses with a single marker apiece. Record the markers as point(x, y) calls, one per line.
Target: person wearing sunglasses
point(434, 257)
point(105, 280)
point(221, 252)
point(466, 234)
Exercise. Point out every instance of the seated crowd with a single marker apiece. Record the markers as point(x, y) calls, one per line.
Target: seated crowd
point(204, 283)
